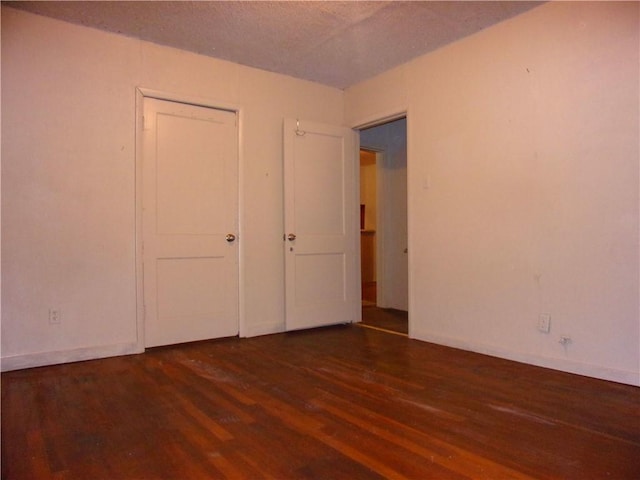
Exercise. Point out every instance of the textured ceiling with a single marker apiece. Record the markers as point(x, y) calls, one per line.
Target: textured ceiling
point(330, 42)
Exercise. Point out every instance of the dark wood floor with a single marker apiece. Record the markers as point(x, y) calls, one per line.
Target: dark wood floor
point(339, 402)
point(386, 319)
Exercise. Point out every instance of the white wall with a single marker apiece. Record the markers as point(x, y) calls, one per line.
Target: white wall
point(523, 187)
point(68, 183)
point(391, 139)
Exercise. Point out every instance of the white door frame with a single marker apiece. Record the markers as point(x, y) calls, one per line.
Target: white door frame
point(141, 94)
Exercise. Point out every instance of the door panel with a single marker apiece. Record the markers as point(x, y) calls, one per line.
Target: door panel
point(312, 272)
point(321, 261)
point(189, 206)
point(319, 175)
point(188, 174)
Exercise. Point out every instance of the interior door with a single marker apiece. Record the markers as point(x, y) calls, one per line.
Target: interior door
point(321, 256)
point(189, 222)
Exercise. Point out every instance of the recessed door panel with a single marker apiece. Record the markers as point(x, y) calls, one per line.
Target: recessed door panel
point(189, 287)
point(190, 171)
point(319, 176)
point(312, 272)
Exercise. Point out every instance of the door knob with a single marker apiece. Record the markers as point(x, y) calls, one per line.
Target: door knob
point(291, 237)
point(230, 237)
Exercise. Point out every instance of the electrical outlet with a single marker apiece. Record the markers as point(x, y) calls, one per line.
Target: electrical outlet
point(544, 323)
point(55, 316)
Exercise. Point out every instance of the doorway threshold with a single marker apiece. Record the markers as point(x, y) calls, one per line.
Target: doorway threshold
point(382, 330)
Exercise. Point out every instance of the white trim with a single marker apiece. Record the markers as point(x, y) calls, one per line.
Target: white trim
point(188, 99)
point(141, 94)
point(410, 248)
point(242, 327)
point(380, 118)
point(138, 222)
point(561, 364)
point(31, 360)
point(357, 314)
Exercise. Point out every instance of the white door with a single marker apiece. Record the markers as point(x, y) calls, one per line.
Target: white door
point(189, 222)
point(321, 262)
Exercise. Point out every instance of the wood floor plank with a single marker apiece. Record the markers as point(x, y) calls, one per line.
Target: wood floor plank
point(341, 402)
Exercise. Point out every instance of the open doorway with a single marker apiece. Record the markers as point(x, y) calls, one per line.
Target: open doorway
point(368, 224)
point(384, 251)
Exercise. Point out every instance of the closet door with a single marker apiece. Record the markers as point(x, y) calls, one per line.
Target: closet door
point(189, 222)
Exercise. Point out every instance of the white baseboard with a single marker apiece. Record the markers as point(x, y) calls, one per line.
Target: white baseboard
point(32, 360)
point(561, 364)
